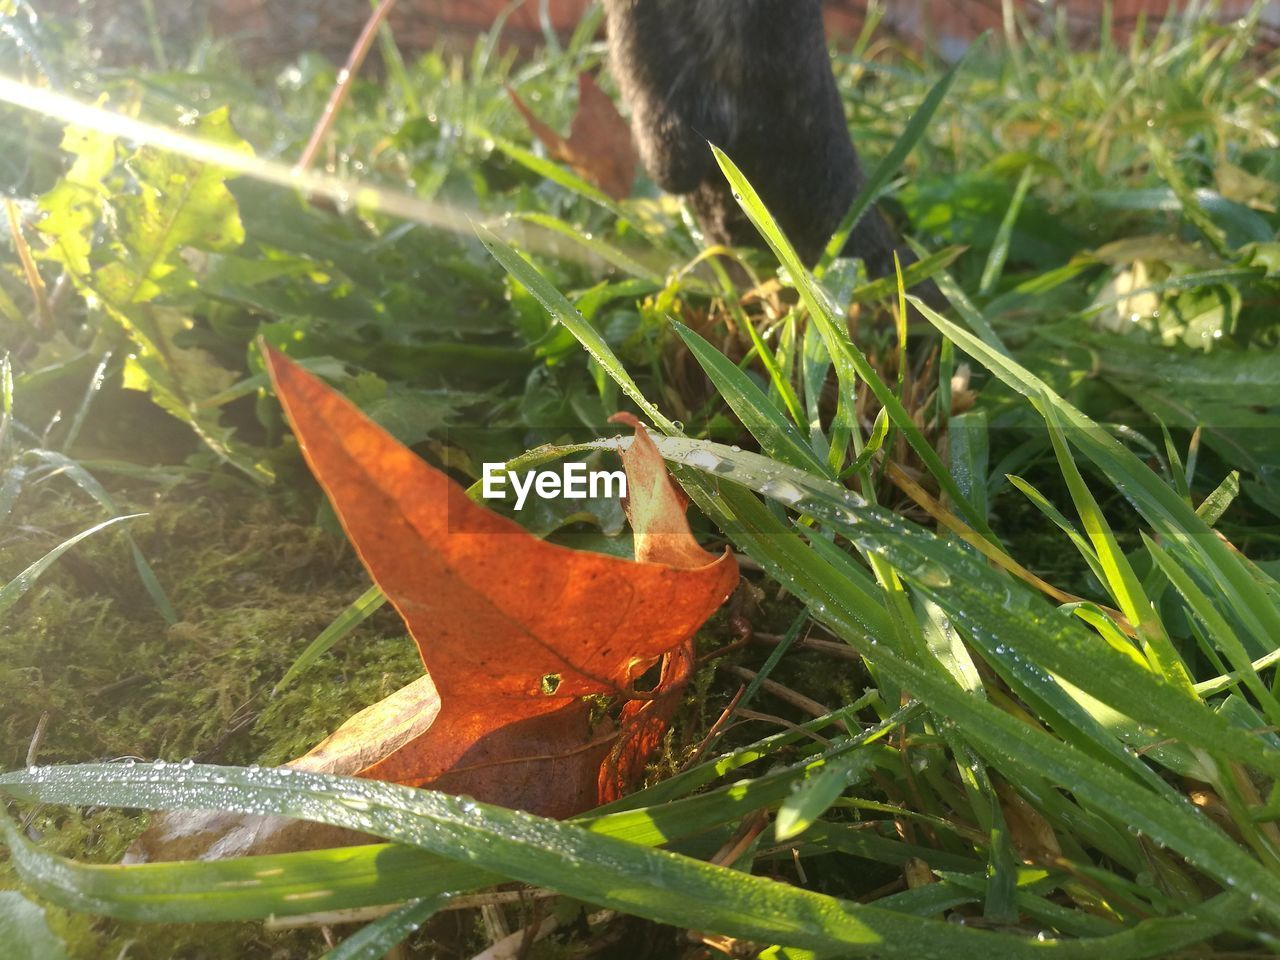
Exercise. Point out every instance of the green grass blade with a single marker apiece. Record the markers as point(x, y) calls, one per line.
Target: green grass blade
point(851, 364)
point(927, 267)
point(887, 167)
point(1219, 630)
point(10, 486)
point(555, 303)
point(1216, 503)
point(376, 939)
point(12, 591)
point(1119, 574)
point(1190, 203)
point(607, 252)
point(1041, 503)
point(999, 252)
point(1021, 751)
point(357, 613)
point(1173, 519)
point(776, 435)
point(814, 797)
point(87, 482)
point(1012, 626)
point(24, 931)
point(561, 176)
point(597, 869)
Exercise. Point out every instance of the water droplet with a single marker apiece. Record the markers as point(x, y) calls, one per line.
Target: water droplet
point(703, 460)
point(784, 491)
point(187, 763)
point(158, 765)
point(932, 575)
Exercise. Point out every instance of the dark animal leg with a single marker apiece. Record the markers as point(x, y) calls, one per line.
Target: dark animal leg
point(754, 78)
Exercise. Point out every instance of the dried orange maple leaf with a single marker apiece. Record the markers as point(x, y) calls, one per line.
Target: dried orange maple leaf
point(514, 634)
point(598, 147)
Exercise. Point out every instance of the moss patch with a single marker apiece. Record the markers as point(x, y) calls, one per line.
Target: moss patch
point(252, 585)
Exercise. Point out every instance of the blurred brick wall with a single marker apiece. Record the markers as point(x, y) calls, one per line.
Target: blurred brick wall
point(926, 20)
point(944, 24)
point(271, 32)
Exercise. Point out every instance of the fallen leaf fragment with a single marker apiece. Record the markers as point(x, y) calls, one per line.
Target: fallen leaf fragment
point(515, 633)
point(599, 146)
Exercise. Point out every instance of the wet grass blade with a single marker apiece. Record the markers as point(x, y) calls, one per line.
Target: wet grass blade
point(24, 931)
point(851, 365)
point(597, 869)
point(377, 938)
point(1181, 529)
point(814, 797)
point(1010, 624)
point(555, 303)
point(776, 435)
point(1023, 752)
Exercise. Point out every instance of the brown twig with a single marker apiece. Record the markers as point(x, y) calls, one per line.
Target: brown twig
point(716, 729)
point(44, 314)
point(781, 722)
point(829, 647)
point(37, 738)
point(796, 699)
point(342, 88)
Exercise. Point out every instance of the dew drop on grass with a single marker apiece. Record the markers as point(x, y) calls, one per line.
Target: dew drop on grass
point(784, 491)
point(158, 765)
point(932, 575)
point(187, 763)
point(704, 460)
